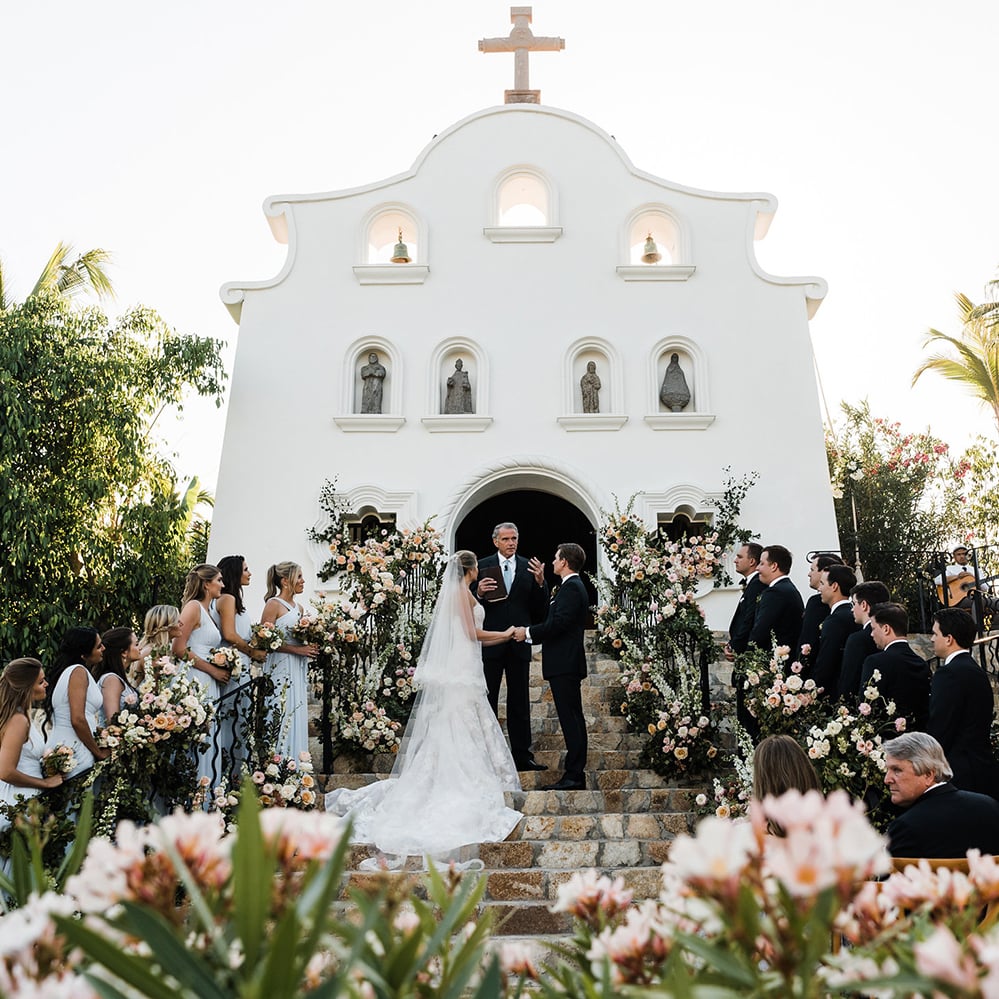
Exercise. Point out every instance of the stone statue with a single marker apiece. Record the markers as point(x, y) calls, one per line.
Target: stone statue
point(589, 386)
point(459, 392)
point(373, 376)
point(674, 394)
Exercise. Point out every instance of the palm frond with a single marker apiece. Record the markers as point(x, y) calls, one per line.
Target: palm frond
point(51, 273)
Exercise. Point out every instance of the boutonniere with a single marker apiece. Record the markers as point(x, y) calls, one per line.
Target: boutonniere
point(554, 591)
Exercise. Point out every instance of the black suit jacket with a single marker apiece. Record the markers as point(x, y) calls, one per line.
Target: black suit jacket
point(815, 613)
point(526, 603)
point(561, 632)
point(946, 822)
point(961, 708)
point(833, 633)
point(905, 679)
point(778, 614)
point(858, 647)
point(745, 615)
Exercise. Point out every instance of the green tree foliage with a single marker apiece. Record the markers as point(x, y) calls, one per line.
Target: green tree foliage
point(92, 529)
point(898, 497)
point(972, 357)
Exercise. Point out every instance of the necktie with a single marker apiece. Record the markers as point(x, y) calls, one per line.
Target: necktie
point(507, 574)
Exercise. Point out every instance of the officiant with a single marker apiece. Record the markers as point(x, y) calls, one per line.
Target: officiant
point(514, 592)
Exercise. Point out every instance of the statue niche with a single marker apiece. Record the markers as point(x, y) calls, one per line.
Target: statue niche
point(675, 393)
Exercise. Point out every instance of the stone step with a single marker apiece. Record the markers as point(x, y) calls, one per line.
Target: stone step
point(626, 741)
point(610, 854)
point(544, 719)
point(534, 780)
point(629, 800)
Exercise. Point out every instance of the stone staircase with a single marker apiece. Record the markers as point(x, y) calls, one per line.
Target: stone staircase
point(621, 824)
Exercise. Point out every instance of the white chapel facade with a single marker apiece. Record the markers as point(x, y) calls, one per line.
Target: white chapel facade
point(524, 229)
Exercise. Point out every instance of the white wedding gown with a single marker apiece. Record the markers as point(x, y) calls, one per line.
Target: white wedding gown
point(445, 794)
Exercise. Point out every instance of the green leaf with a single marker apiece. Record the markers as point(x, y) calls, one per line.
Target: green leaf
point(186, 966)
point(135, 971)
point(74, 859)
point(253, 869)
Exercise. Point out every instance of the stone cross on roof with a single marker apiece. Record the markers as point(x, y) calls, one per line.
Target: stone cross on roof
point(520, 41)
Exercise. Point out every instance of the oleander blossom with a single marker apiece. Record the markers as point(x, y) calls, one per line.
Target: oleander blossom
point(635, 948)
point(591, 897)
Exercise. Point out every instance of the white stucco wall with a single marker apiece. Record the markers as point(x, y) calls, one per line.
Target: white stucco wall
point(524, 308)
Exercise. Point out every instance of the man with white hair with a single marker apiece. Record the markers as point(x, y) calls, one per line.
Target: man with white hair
point(939, 819)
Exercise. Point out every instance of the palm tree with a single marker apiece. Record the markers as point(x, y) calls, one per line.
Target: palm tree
point(976, 364)
point(65, 278)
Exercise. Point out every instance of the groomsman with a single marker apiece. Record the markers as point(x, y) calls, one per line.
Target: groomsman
point(905, 676)
point(778, 611)
point(815, 610)
point(860, 644)
point(526, 601)
point(961, 704)
point(747, 564)
point(563, 660)
point(834, 589)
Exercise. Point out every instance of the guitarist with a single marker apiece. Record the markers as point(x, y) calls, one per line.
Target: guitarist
point(956, 588)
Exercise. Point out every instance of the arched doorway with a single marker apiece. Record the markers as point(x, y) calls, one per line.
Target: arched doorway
point(544, 521)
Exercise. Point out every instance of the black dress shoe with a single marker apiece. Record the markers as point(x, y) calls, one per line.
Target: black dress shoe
point(531, 765)
point(565, 785)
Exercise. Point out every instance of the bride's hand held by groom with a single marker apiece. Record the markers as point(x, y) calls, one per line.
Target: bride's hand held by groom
point(519, 634)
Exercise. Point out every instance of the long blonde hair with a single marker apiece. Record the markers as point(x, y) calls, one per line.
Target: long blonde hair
point(194, 585)
point(17, 681)
point(157, 624)
point(282, 570)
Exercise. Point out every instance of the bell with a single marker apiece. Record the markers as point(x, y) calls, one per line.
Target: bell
point(400, 255)
point(651, 254)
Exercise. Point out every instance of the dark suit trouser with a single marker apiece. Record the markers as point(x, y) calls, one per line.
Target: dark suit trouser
point(518, 699)
point(568, 697)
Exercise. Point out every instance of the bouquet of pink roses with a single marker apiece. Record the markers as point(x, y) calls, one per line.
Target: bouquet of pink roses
point(266, 637)
point(60, 759)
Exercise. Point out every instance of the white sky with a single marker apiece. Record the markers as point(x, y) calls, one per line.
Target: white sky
point(157, 133)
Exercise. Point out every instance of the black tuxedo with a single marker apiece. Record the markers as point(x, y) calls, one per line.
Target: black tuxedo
point(905, 679)
point(563, 665)
point(526, 602)
point(811, 621)
point(946, 822)
point(833, 633)
point(961, 709)
point(738, 641)
point(778, 615)
point(745, 614)
point(858, 647)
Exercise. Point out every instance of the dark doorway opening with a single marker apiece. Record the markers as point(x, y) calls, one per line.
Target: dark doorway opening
point(543, 520)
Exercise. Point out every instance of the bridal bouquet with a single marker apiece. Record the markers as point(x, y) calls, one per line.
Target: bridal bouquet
point(266, 637)
point(227, 657)
point(60, 759)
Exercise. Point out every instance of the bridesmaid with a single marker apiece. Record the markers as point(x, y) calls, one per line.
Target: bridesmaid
point(73, 700)
point(121, 650)
point(198, 635)
point(289, 664)
point(159, 628)
point(233, 619)
point(22, 684)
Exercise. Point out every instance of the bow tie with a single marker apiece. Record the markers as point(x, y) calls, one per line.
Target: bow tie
point(742, 582)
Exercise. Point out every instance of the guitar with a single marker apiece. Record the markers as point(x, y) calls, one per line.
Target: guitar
point(956, 588)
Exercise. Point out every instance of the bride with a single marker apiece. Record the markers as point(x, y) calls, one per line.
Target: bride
point(446, 788)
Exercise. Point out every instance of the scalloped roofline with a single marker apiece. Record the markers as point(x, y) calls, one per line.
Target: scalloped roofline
point(282, 222)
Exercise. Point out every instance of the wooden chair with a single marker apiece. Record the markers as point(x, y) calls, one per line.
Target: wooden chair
point(989, 915)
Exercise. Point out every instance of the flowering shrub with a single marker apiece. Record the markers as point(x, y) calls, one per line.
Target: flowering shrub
point(371, 729)
point(183, 907)
point(681, 741)
point(776, 695)
point(280, 782)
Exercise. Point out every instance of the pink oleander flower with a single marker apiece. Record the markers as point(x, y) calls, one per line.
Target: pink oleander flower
point(940, 957)
point(716, 856)
point(517, 958)
point(585, 895)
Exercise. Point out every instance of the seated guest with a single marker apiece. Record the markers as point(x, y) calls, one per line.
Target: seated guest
point(905, 676)
point(779, 765)
point(961, 704)
point(860, 644)
point(939, 820)
point(815, 610)
point(834, 590)
point(778, 611)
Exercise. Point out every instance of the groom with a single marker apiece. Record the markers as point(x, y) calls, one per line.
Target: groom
point(563, 660)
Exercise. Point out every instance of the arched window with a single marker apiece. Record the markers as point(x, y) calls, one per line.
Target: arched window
point(384, 235)
point(655, 246)
point(523, 201)
point(661, 228)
